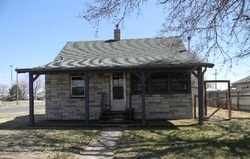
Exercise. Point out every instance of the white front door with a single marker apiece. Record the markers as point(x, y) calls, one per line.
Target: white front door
point(118, 91)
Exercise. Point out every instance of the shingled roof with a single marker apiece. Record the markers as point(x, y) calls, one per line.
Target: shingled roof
point(147, 53)
point(241, 81)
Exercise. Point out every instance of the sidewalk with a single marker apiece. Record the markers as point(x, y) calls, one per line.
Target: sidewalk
point(104, 146)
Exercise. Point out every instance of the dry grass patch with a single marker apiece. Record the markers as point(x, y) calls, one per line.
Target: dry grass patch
point(18, 140)
point(216, 139)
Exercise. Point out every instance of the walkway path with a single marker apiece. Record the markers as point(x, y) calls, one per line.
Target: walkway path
point(104, 146)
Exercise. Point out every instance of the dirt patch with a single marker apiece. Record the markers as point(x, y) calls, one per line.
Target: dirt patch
point(223, 113)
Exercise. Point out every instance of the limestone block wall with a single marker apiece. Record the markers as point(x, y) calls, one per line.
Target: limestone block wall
point(59, 104)
point(164, 106)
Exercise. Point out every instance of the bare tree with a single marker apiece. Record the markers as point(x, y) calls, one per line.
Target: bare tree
point(39, 86)
point(217, 26)
point(24, 86)
point(3, 91)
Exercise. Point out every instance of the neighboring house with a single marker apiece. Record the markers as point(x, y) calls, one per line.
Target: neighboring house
point(148, 78)
point(242, 85)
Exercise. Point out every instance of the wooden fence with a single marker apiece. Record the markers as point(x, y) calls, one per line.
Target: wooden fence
point(239, 100)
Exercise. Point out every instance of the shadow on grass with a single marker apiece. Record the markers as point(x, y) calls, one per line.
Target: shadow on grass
point(226, 140)
point(69, 137)
point(22, 123)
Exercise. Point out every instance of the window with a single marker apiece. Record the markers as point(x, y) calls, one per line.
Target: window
point(118, 85)
point(136, 84)
point(159, 82)
point(178, 82)
point(77, 86)
point(163, 82)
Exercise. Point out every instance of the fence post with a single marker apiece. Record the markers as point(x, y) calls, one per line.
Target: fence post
point(229, 104)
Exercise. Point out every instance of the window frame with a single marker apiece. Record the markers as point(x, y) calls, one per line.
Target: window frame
point(71, 87)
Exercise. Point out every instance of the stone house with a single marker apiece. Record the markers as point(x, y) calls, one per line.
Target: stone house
point(144, 79)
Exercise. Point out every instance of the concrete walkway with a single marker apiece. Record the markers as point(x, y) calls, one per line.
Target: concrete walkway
point(104, 146)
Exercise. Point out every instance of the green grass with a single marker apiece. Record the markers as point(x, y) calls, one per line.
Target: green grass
point(227, 139)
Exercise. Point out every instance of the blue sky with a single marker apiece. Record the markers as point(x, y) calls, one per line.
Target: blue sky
point(32, 33)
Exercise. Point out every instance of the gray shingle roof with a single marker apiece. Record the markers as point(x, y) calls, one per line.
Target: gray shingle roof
point(243, 80)
point(127, 53)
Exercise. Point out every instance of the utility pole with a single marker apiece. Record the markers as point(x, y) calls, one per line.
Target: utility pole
point(189, 38)
point(17, 90)
point(11, 75)
point(215, 77)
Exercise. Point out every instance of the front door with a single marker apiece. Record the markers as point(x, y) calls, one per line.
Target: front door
point(118, 91)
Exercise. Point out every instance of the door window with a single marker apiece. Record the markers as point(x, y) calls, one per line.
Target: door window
point(118, 86)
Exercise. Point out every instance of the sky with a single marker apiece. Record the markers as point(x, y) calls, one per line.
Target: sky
point(32, 33)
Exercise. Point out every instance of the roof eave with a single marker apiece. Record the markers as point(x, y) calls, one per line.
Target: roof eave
point(110, 69)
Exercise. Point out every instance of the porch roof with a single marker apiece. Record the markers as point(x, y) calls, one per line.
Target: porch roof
point(127, 54)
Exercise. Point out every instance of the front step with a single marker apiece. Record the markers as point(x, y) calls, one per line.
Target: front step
point(116, 117)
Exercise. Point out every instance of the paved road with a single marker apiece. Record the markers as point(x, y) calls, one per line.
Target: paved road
point(20, 109)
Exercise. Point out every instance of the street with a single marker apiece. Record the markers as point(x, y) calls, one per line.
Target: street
point(20, 109)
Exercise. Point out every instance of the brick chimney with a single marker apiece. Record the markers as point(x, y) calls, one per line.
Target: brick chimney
point(117, 33)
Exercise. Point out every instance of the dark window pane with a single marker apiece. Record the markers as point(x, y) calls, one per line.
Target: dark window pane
point(178, 82)
point(135, 84)
point(158, 87)
point(77, 91)
point(118, 92)
point(159, 82)
point(178, 86)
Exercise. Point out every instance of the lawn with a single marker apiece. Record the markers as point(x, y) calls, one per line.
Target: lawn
point(18, 140)
point(214, 139)
point(217, 138)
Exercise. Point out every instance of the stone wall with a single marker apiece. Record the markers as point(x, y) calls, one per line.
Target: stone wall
point(60, 106)
point(164, 106)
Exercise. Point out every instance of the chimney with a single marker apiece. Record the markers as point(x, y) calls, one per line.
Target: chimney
point(117, 33)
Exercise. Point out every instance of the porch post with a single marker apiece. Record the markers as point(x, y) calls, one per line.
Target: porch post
point(31, 100)
point(86, 92)
point(143, 98)
point(200, 95)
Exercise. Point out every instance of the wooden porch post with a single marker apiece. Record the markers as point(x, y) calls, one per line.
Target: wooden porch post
point(200, 95)
point(86, 92)
point(31, 100)
point(143, 98)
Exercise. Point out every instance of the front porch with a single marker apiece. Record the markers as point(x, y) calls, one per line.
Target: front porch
point(96, 104)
